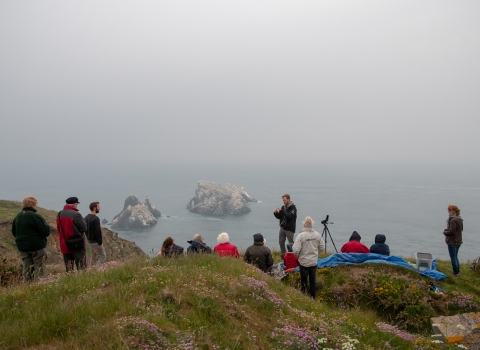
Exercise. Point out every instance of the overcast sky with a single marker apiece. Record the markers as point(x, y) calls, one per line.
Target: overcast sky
point(240, 81)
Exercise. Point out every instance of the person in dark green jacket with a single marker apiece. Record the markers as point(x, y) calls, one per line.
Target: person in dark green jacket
point(258, 254)
point(31, 231)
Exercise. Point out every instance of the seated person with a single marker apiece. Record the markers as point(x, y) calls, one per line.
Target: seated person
point(354, 245)
point(169, 248)
point(198, 246)
point(224, 248)
point(380, 247)
point(289, 259)
point(258, 254)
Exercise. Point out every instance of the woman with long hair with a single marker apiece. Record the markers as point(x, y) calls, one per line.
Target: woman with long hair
point(169, 248)
point(453, 236)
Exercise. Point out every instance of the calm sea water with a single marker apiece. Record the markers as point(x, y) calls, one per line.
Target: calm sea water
point(409, 206)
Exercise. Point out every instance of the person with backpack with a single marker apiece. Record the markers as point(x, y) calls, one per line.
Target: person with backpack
point(71, 235)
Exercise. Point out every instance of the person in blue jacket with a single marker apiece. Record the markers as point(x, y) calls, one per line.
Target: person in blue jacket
point(380, 247)
point(197, 245)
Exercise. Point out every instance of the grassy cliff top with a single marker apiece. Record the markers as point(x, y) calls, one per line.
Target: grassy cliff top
point(209, 302)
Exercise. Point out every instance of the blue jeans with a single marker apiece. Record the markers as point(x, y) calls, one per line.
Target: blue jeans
point(453, 251)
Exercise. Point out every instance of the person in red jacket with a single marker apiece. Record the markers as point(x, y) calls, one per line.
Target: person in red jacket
point(224, 248)
point(289, 259)
point(354, 245)
point(70, 224)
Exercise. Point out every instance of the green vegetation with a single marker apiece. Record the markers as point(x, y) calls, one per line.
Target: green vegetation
point(207, 302)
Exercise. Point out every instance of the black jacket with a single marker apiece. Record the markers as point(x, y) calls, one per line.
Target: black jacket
point(380, 247)
point(289, 215)
point(174, 250)
point(196, 247)
point(94, 230)
point(259, 255)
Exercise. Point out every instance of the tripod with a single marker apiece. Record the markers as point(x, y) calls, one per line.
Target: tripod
point(326, 233)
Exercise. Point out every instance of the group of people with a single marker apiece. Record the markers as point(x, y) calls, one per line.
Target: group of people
point(355, 246)
point(31, 231)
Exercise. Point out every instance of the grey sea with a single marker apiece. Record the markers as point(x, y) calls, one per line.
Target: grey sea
point(408, 205)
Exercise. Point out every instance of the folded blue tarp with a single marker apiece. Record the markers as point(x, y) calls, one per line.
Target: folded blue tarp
point(360, 258)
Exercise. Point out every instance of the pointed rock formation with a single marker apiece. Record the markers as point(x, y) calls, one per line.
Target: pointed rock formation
point(136, 214)
point(214, 199)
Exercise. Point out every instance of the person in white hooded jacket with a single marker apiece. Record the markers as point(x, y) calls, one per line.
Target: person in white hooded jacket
point(306, 247)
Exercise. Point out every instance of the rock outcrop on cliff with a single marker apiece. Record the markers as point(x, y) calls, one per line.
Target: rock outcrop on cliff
point(214, 199)
point(136, 214)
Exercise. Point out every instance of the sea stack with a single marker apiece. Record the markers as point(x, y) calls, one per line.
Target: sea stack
point(217, 200)
point(136, 214)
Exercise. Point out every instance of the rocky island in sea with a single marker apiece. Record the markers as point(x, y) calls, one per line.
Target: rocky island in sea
point(217, 200)
point(136, 214)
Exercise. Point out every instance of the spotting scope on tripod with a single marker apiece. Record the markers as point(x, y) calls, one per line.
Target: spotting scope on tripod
point(326, 233)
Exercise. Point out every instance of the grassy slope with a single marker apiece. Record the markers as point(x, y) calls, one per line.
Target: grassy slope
point(213, 301)
point(207, 301)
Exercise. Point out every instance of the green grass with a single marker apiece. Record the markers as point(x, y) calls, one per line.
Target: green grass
point(203, 302)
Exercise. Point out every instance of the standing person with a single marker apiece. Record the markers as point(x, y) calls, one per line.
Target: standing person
point(224, 247)
point(453, 236)
point(287, 216)
point(94, 235)
point(354, 246)
point(306, 248)
point(31, 231)
point(70, 224)
point(258, 254)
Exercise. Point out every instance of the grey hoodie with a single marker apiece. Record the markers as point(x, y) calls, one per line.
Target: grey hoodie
point(307, 246)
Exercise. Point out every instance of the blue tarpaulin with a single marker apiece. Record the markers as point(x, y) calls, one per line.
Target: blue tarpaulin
point(360, 258)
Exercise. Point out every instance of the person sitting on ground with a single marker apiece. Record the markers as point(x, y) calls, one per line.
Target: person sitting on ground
point(224, 248)
point(258, 254)
point(380, 247)
point(354, 245)
point(169, 248)
point(290, 260)
point(198, 246)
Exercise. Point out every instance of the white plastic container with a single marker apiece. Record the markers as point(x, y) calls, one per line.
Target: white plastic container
point(424, 261)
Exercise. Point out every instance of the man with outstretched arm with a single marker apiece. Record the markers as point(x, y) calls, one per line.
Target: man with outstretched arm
point(94, 235)
point(287, 216)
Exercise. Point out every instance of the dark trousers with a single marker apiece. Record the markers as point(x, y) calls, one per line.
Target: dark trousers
point(453, 251)
point(283, 235)
point(76, 258)
point(306, 274)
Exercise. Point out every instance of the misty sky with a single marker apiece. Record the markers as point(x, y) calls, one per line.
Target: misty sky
point(240, 81)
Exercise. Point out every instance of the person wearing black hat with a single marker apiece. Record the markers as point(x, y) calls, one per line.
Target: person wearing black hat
point(71, 226)
point(258, 254)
